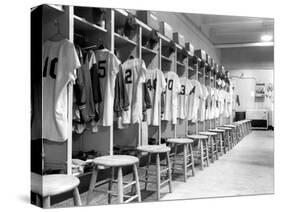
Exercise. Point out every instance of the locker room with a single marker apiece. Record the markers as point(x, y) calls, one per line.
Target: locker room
point(138, 106)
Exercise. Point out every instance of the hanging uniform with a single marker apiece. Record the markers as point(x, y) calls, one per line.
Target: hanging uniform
point(196, 94)
point(156, 84)
point(186, 87)
point(211, 103)
point(202, 105)
point(171, 96)
point(89, 62)
point(216, 99)
point(134, 72)
point(59, 64)
point(108, 67)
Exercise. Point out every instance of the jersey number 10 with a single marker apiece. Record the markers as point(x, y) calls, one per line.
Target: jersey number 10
point(52, 68)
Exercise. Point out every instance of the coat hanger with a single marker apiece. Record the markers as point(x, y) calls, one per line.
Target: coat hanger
point(58, 36)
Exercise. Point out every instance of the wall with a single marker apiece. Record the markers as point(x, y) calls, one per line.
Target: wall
point(182, 25)
point(253, 58)
point(245, 88)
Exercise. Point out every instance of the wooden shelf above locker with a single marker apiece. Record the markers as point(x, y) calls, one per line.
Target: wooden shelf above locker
point(51, 12)
point(146, 50)
point(82, 25)
point(123, 41)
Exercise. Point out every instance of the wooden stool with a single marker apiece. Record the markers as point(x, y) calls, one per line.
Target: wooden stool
point(239, 130)
point(220, 133)
point(213, 144)
point(118, 162)
point(157, 150)
point(203, 148)
point(54, 184)
point(233, 132)
point(188, 160)
point(248, 126)
point(228, 138)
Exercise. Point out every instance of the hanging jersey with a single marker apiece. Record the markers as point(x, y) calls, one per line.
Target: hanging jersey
point(108, 67)
point(186, 87)
point(87, 65)
point(134, 72)
point(59, 63)
point(156, 84)
point(217, 104)
point(171, 96)
point(195, 100)
point(202, 109)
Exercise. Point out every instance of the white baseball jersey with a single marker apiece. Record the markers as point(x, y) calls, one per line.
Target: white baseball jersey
point(108, 67)
point(134, 72)
point(186, 87)
point(202, 108)
point(195, 100)
point(217, 104)
point(171, 96)
point(59, 64)
point(156, 84)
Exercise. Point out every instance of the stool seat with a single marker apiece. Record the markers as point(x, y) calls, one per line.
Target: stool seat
point(116, 160)
point(54, 184)
point(180, 140)
point(197, 136)
point(208, 133)
point(217, 130)
point(225, 128)
point(154, 148)
point(229, 125)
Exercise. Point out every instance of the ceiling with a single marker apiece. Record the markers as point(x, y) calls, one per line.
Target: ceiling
point(232, 31)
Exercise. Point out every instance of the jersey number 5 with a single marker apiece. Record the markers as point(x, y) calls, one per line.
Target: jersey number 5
point(101, 68)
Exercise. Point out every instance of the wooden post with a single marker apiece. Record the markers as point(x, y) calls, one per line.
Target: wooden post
point(111, 44)
point(70, 16)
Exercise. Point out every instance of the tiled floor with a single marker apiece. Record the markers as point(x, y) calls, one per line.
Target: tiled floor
point(246, 170)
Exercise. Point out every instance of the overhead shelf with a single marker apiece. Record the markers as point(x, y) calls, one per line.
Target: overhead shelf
point(82, 25)
point(146, 50)
point(121, 40)
point(51, 12)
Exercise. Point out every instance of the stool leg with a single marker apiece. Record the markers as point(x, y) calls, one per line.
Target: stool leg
point(46, 202)
point(120, 185)
point(158, 176)
point(76, 197)
point(217, 147)
point(137, 182)
point(192, 159)
point(221, 144)
point(201, 154)
point(169, 172)
point(92, 185)
point(174, 159)
point(185, 162)
point(146, 171)
point(110, 186)
point(207, 152)
point(210, 141)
